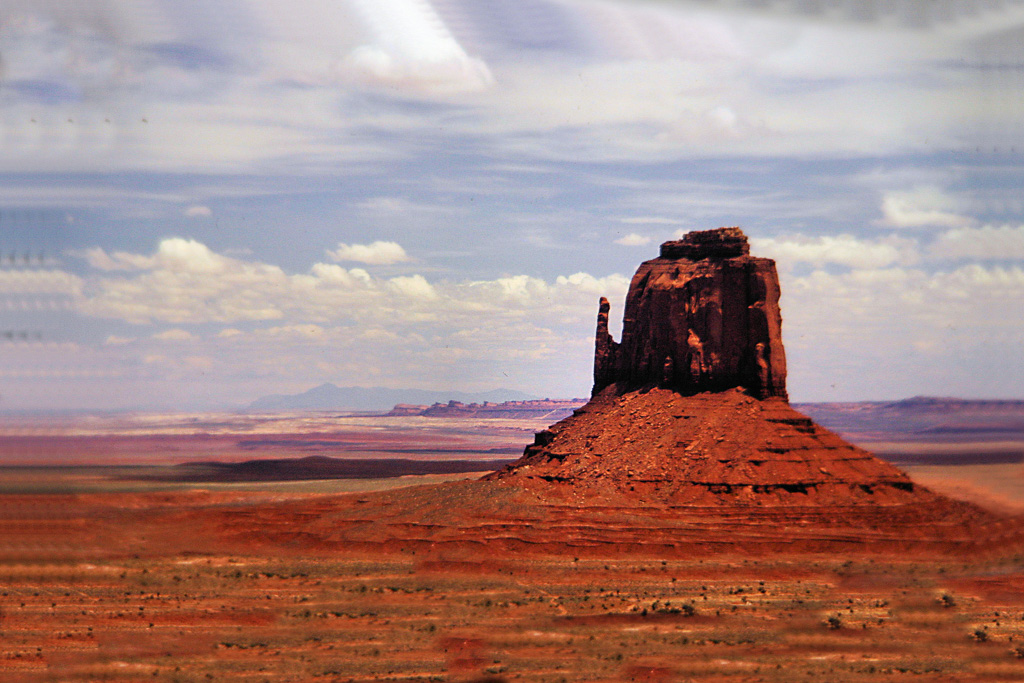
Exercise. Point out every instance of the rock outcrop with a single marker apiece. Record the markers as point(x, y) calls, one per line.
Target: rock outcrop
point(703, 316)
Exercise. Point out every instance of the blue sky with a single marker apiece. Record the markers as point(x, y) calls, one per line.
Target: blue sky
point(205, 202)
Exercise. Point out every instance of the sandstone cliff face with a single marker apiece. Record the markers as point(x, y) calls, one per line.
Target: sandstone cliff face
point(703, 316)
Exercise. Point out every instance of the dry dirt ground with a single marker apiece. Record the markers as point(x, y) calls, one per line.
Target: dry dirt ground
point(148, 586)
point(103, 577)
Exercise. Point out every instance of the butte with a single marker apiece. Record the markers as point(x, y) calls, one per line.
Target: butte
point(691, 407)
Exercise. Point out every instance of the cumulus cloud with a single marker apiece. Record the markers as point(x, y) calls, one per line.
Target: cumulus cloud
point(922, 206)
point(611, 285)
point(844, 250)
point(187, 282)
point(339, 324)
point(414, 287)
point(633, 240)
point(119, 260)
point(902, 330)
point(347, 325)
point(989, 242)
point(376, 253)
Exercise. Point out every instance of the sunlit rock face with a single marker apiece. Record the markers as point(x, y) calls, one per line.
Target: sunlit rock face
point(703, 316)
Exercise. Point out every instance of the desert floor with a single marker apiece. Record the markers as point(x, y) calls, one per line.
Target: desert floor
point(105, 575)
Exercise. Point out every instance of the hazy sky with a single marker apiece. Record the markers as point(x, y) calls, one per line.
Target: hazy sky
point(204, 202)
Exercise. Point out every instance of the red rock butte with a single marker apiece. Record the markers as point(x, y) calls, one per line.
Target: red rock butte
point(703, 316)
point(691, 407)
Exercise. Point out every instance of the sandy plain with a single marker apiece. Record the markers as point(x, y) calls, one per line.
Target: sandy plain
point(122, 573)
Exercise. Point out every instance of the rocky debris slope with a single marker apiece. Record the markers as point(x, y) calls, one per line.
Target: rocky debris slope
point(724, 448)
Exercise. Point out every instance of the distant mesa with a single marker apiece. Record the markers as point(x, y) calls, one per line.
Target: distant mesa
point(547, 408)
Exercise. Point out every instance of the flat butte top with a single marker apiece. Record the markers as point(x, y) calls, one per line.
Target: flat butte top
point(701, 244)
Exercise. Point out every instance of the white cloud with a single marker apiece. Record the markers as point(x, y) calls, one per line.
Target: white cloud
point(48, 281)
point(377, 253)
point(899, 331)
point(922, 206)
point(447, 73)
point(119, 260)
point(330, 323)
point(175, 335)
point(611, 286)
point(413, 48)
point(989, 242)
point(186, 282)
point(414, 287)
point(844, 250)
point(330, 274)
point(633, 240)
point(197, 211)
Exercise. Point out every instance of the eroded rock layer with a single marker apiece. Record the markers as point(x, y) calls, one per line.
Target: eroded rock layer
point(703, 316)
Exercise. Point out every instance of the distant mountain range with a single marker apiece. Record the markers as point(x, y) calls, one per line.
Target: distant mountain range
point(331, 397)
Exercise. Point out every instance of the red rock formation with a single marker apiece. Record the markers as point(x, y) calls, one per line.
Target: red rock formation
point(703, 316)
point(691, 407)
point(605, 351)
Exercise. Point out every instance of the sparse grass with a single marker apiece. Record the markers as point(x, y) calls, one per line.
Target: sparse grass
point(330, 618)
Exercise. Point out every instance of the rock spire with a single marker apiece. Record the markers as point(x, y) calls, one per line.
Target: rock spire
point(703, 316)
